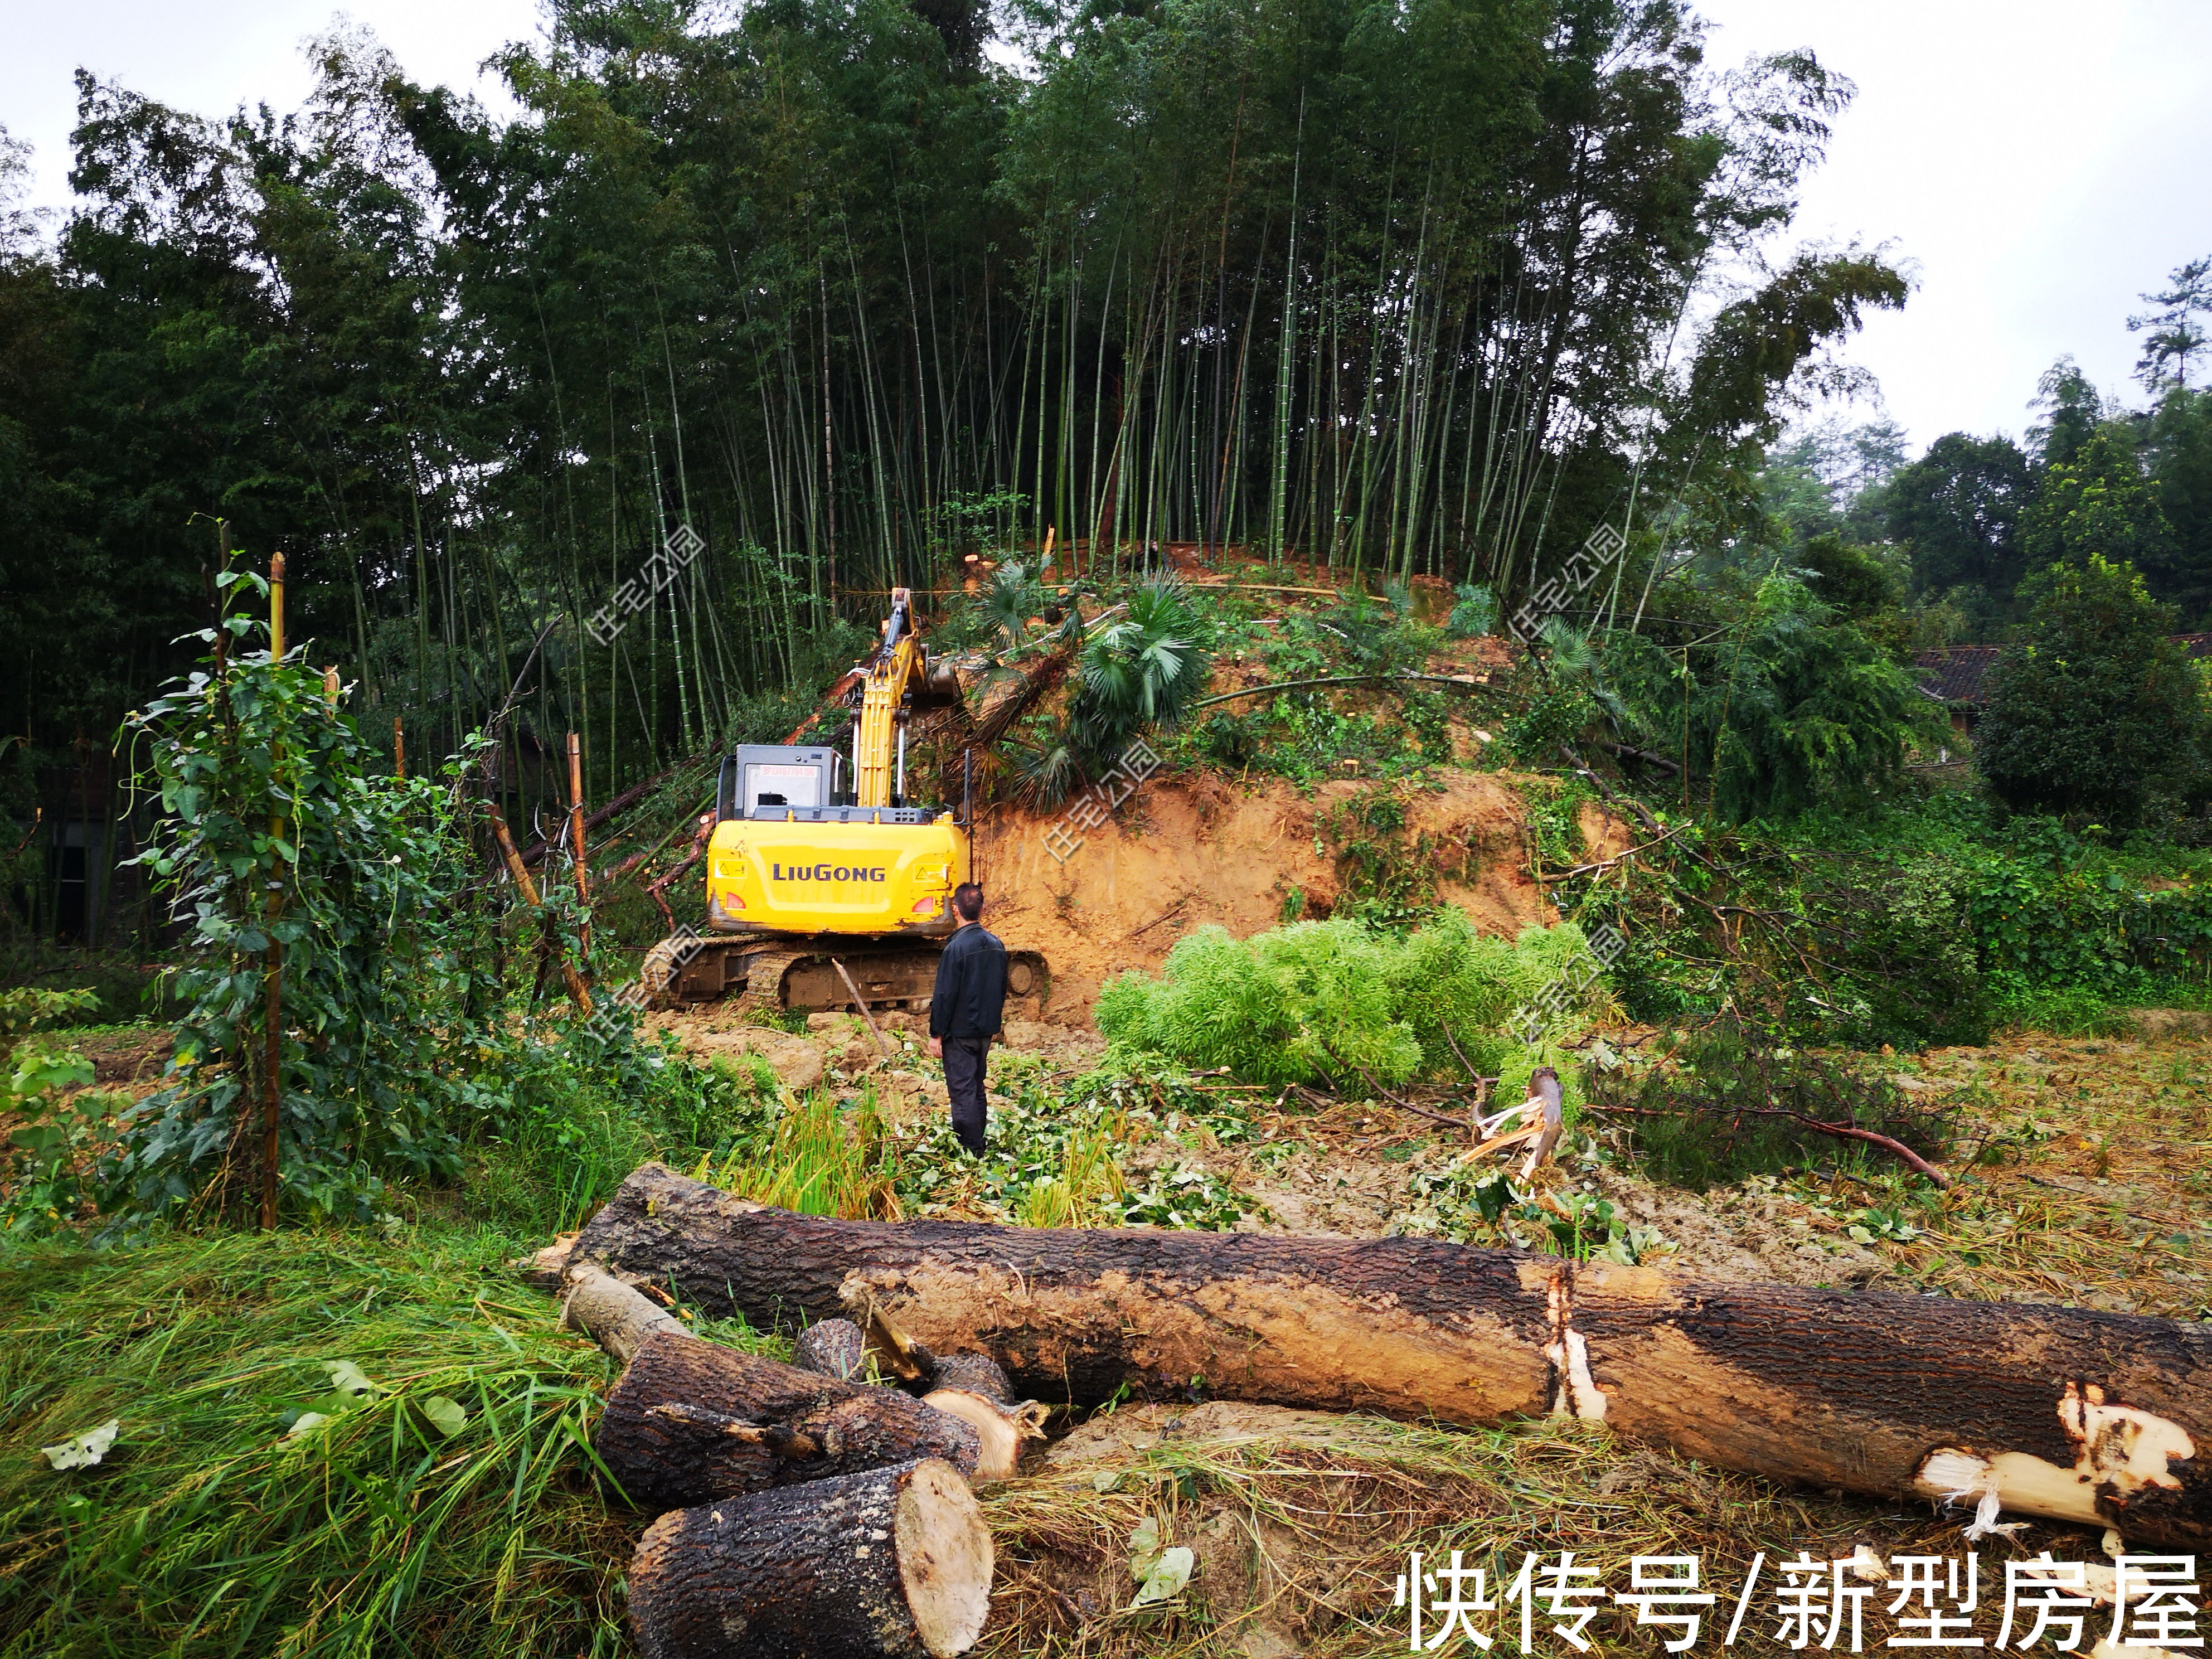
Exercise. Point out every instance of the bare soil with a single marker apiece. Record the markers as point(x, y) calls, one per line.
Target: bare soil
point(1184, 853)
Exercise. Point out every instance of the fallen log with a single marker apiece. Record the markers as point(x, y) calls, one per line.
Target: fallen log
point(690, 1420)
point(888, 1564)
point(2078, 1416)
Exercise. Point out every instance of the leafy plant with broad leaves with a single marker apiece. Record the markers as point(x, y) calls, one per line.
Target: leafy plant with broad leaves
point(1136, 670)
point(1473, 612)
point(278, 828)
point(1139, 670)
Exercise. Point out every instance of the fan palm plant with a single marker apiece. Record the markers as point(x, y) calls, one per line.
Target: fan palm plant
point(1142, 669)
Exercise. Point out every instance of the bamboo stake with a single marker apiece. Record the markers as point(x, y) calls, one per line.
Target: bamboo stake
point(273, 982)
point(860, 1007)
point(576, 838)
point(579, 992)
point(398, 751)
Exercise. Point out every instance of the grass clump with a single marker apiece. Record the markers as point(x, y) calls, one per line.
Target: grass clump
point(1326, 1001)
point(444, 1504)
point(815, 1160)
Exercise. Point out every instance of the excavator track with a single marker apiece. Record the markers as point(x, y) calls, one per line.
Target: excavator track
point(787, 979)
point(763, 992)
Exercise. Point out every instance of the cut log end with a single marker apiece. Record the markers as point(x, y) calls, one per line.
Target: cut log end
point(998, 1430)
point(887, 1563)
point(944, 1559)
point(835, 1347)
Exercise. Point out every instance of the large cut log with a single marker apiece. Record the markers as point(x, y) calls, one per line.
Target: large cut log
point(888, 1564)
point(690, 1421)
point(2104, 1419)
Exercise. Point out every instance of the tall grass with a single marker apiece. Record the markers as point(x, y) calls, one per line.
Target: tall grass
point(817, 1163)
point(209, 1529)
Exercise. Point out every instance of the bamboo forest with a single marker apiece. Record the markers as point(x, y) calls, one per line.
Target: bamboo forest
point(1105, 830)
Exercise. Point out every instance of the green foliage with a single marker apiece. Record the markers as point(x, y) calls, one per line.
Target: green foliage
point(1470, 1204)
point(1138, 672)
point(1728, 1102)
point(1786, 710)
point(1330, 1000)
point(2096, 711)
point(1915, 926)
point(1473, 612)
point(1853, 578)
point(59, 1123)
point(282, 827)
point(2098, 503)
point(25, 1009)
point(2173, 331)
point(444, 1505)
point(1956, 511)
point(815, 1160)
point(1388, 879)
point(2178, 439)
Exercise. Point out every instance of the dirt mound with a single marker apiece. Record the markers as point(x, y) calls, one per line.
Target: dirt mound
point(1188, 851)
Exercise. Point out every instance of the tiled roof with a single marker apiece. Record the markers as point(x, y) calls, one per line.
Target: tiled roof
point(1955, 673)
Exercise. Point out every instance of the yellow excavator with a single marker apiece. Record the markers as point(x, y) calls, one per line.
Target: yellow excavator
point(827, 887)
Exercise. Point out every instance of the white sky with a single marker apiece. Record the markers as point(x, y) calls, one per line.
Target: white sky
point(2039, 164)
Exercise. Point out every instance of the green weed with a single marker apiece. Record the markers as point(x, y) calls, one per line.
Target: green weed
point(443, 1504)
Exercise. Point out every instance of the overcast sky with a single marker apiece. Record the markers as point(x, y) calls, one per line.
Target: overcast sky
point(2039, 165)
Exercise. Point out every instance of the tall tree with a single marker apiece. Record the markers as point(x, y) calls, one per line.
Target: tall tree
point(1957, 511)
point(2173, 329)
point(2098, 502)
point(2095, 711)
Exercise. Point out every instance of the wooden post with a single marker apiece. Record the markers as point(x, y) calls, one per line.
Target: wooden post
point(577, 993)
point(576, 839)
point(398, 749)
point(273, 990)
point(860, 1007)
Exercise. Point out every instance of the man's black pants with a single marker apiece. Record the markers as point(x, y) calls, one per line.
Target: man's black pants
point(964, 1060)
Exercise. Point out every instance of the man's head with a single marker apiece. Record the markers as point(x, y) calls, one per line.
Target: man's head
point(968, 902)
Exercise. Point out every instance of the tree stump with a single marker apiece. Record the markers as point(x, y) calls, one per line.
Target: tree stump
point(888, 1564)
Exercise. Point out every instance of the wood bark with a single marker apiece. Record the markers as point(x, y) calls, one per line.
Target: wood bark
point(690, 1420)
point(835, 1347)
point(887, 1563)
point(2104, 1419)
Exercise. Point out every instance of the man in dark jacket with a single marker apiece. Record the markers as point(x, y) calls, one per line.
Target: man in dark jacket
point(964, 1013)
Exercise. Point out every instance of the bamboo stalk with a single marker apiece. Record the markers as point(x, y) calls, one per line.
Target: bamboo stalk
point(576, 840)
point(273, 983)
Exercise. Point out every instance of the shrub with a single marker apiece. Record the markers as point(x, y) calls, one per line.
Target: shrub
point(1327, 1001)
point(280, 828)
point(1473, 612)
